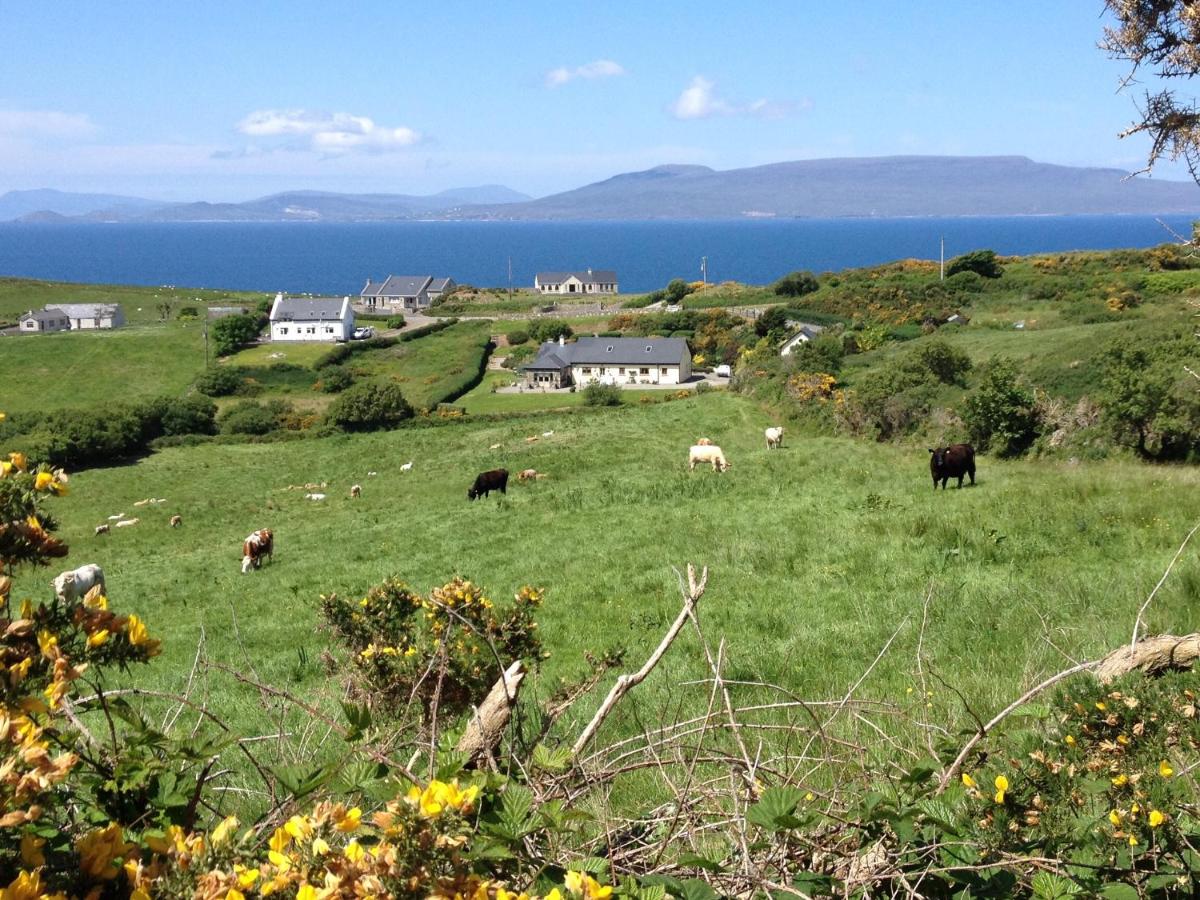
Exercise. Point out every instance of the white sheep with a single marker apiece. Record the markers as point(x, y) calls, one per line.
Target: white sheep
point(407, 467)
point(314, 496)
point(101, 529)
point(75, 583)
point(126, 523)
point(774, 437)
point(707, 453)
point(356, 490)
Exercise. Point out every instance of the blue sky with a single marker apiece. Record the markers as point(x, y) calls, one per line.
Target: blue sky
point(232, 100)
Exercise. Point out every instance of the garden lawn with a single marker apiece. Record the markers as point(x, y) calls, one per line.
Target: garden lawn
point(819, 554)
point(429, 369)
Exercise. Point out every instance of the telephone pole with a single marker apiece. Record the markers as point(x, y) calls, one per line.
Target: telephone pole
point(704, 273)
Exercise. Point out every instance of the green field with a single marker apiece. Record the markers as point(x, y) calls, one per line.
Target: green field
point(819, 552)
point(140, 304)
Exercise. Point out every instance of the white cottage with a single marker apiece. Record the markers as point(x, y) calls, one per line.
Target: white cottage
point(311, 319)
point(600, 281)
point(409, 292)
point(43, 321)
point(806, 333)
point(620, 361)
point(86, 316)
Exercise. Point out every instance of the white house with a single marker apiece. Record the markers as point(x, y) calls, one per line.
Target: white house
point(600, 281)
point(311, 319)
point(83, 316)
point(42, 321)
point(620, 361)
point(803, 336)
point(410, 292)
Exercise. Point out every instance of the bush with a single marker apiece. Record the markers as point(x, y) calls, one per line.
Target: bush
point(1000, 414)
point(517, 337)
point(248, 417)
point(772, 322)
point(602, 395)
point(222, 381)
point(981, 262)
point(186, 415)
point(369, 407)
point(1149, 403)
point(947, 364)
point(796, 284)
point(676, 290)
point(549, 330)
point(395, 321)
point(823, 354)
point(703, 387)
point(335, 379)
point(189, 312)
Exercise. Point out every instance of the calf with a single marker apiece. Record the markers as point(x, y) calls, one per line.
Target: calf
point(70, 586)
point(485, 482)
point(774, 437)
point(257, 545)
point(527, 475)
point(356, 490)
point(101, 529)
point(954, 461)
point(176, 521)
point(707, 453)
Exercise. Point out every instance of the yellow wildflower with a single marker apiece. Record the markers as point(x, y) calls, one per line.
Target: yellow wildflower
point(1165, 770)
point(1122, 740)
point(221, 832)
point(1001, 788)
point(97, 639)
point(99, 849)
point(6, 468)
point(279, 840)
point(1115, 817)
point(297, 827)
point(1132, 841)
point(306, 892)
point(31, 850)
point(1069, 740)
point(246, 877)
point(967, 780)
point(319, 846)
point(235, 894)
point(19, 461)
point(574, 882)
point(43, 481)
point(1100, 705)
point(1156, 818)
point(1120, 781)
point(350, 821)
point(354, 851)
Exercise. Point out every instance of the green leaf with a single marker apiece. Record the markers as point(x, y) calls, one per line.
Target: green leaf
point(1119, 891)
point(774, 809)
point(700, 862)
point(652, 892)
point(593, 865)
point(695, 889)
point(359, 719)
point(551, 760)
point(1047, 886)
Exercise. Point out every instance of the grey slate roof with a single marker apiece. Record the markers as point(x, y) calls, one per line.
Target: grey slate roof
point(397, 286)
point(595, 351)
point(49, 314)
point(439, 285)
point(86, 310)
point(307, 309)
point(595, 276)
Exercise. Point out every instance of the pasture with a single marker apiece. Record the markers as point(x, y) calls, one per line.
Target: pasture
point(819, 554)
point(141, 305)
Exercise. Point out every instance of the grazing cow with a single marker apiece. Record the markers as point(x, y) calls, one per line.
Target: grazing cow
point(485, 482)
point(356, 490)
point(257, 545)
point(176, 521)
point(101, 529)
point(407, 467)
point(70, 586)
point(125, 523)
point(774, 437)
point(954, 461)
point(707, 453)
point(527, 475)
point(703, 442)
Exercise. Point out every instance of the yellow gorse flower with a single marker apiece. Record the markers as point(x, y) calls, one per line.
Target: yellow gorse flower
point(1001, 788)
point(1156, 818)
point(1165, 770)
point(349, 821)
point(1115, 817)
point(19, 460)
point(99, 638)
point(42, 481)
point(968, 780)
point(221, 832)
point(1120, 781)
point(1069, 740)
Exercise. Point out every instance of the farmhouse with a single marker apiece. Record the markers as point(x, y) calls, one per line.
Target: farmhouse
point(803, 336)
point(410, 292)
point(600, 281)
point(44, 320)
point(311, 319)
point(620, 361)
point(79, 317)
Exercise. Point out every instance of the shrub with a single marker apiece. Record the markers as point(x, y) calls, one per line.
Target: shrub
point(676, 290)
point(231, 333)
point(549, 330)
point(187, 415)
point(520, 336)
point(248, 417)
point(395, 321)
point(947, 364)
point(981, 262)
point(703, 387)
point(369, 407)
point(222, 381)
point(1149, 403)
point(1000, 415)
point(822, 354)
point(189, 312)
point(334, 379)
point(796, 284)
point(602, 395)
point(771, 323)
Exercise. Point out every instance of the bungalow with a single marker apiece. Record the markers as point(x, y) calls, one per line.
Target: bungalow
point(601, 281)
point(311, 319)
point(806, 333)
point(44, 321)
point(85, 316)
point(620, 361)
point(410, 292)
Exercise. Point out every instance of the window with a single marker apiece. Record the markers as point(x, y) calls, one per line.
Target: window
point(283, 331)
point(645, 371)
point(587, 370)
point(621, 371)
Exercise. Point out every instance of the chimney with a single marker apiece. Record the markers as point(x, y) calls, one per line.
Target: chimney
point(589, 271)
point(562, 341)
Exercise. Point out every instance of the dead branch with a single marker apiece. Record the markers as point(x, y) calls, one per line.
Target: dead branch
point(625, 683)
point(486, 728)
point(1137, 622)
point(1151, 655)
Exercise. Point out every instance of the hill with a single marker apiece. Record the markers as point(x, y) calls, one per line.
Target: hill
point(16, 204)
point(885, 187)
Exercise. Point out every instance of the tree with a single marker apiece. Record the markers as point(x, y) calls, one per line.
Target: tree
point(234, 332)
point(549, 330)
point(369, 407)
point(1000, 414)
point(1149, 404)
point(796, 284)
point(981, 262)
point(1162, 35)
point(676, 290)
point(772, 320)
point(949, 365)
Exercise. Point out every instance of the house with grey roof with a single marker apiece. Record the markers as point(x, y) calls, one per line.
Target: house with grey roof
point(806, 333)
point(44, 321)
point(87, 316)
point(599, 281)
point(311, 319)
point(410, 292)
point(607, 360)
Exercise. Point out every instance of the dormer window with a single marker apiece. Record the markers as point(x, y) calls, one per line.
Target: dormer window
point(648, 348)
point(610, 348)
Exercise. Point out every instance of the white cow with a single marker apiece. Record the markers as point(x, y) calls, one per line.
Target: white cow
point(707, 453)
point(774, 437)
point(70, 586)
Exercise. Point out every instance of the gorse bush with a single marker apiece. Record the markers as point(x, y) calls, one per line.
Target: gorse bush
point(369, 407)
point(334, 379)
point(796, 284)
point(222, 381)
point(602, 395)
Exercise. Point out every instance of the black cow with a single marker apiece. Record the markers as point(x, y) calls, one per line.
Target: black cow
point(954, 461)
point(494, 480)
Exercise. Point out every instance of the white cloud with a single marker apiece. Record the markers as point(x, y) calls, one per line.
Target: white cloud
point(699, 100)
point(327, 132)
point(601, 68)
point(44, 123)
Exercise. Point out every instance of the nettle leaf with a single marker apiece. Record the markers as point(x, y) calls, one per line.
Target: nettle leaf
point(551, 760)
point(652, 892)
point(1047, 886)
point(451, 763)
point(774, 809)
point(516, 810)
point(940, 813)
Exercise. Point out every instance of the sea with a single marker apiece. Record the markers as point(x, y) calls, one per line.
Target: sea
point(337, 259)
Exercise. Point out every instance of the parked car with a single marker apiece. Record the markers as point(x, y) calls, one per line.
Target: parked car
point(363, 333)
point(723, 370)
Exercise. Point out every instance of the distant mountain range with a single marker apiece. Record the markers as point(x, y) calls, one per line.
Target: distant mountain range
point(292, 206)
point(883, 187)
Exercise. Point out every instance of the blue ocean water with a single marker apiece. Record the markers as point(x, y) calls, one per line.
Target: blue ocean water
point(338, 258)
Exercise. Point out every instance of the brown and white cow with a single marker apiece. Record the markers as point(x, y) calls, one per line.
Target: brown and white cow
point(257, 545)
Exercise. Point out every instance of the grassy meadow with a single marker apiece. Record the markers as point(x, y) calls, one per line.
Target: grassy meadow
point(818, 552)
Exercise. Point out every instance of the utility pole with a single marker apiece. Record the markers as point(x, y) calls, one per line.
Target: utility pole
point(510, 279)
point(206, 338)
point(704, 273)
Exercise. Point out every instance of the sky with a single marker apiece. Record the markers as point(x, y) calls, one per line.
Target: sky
point(227, 101)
